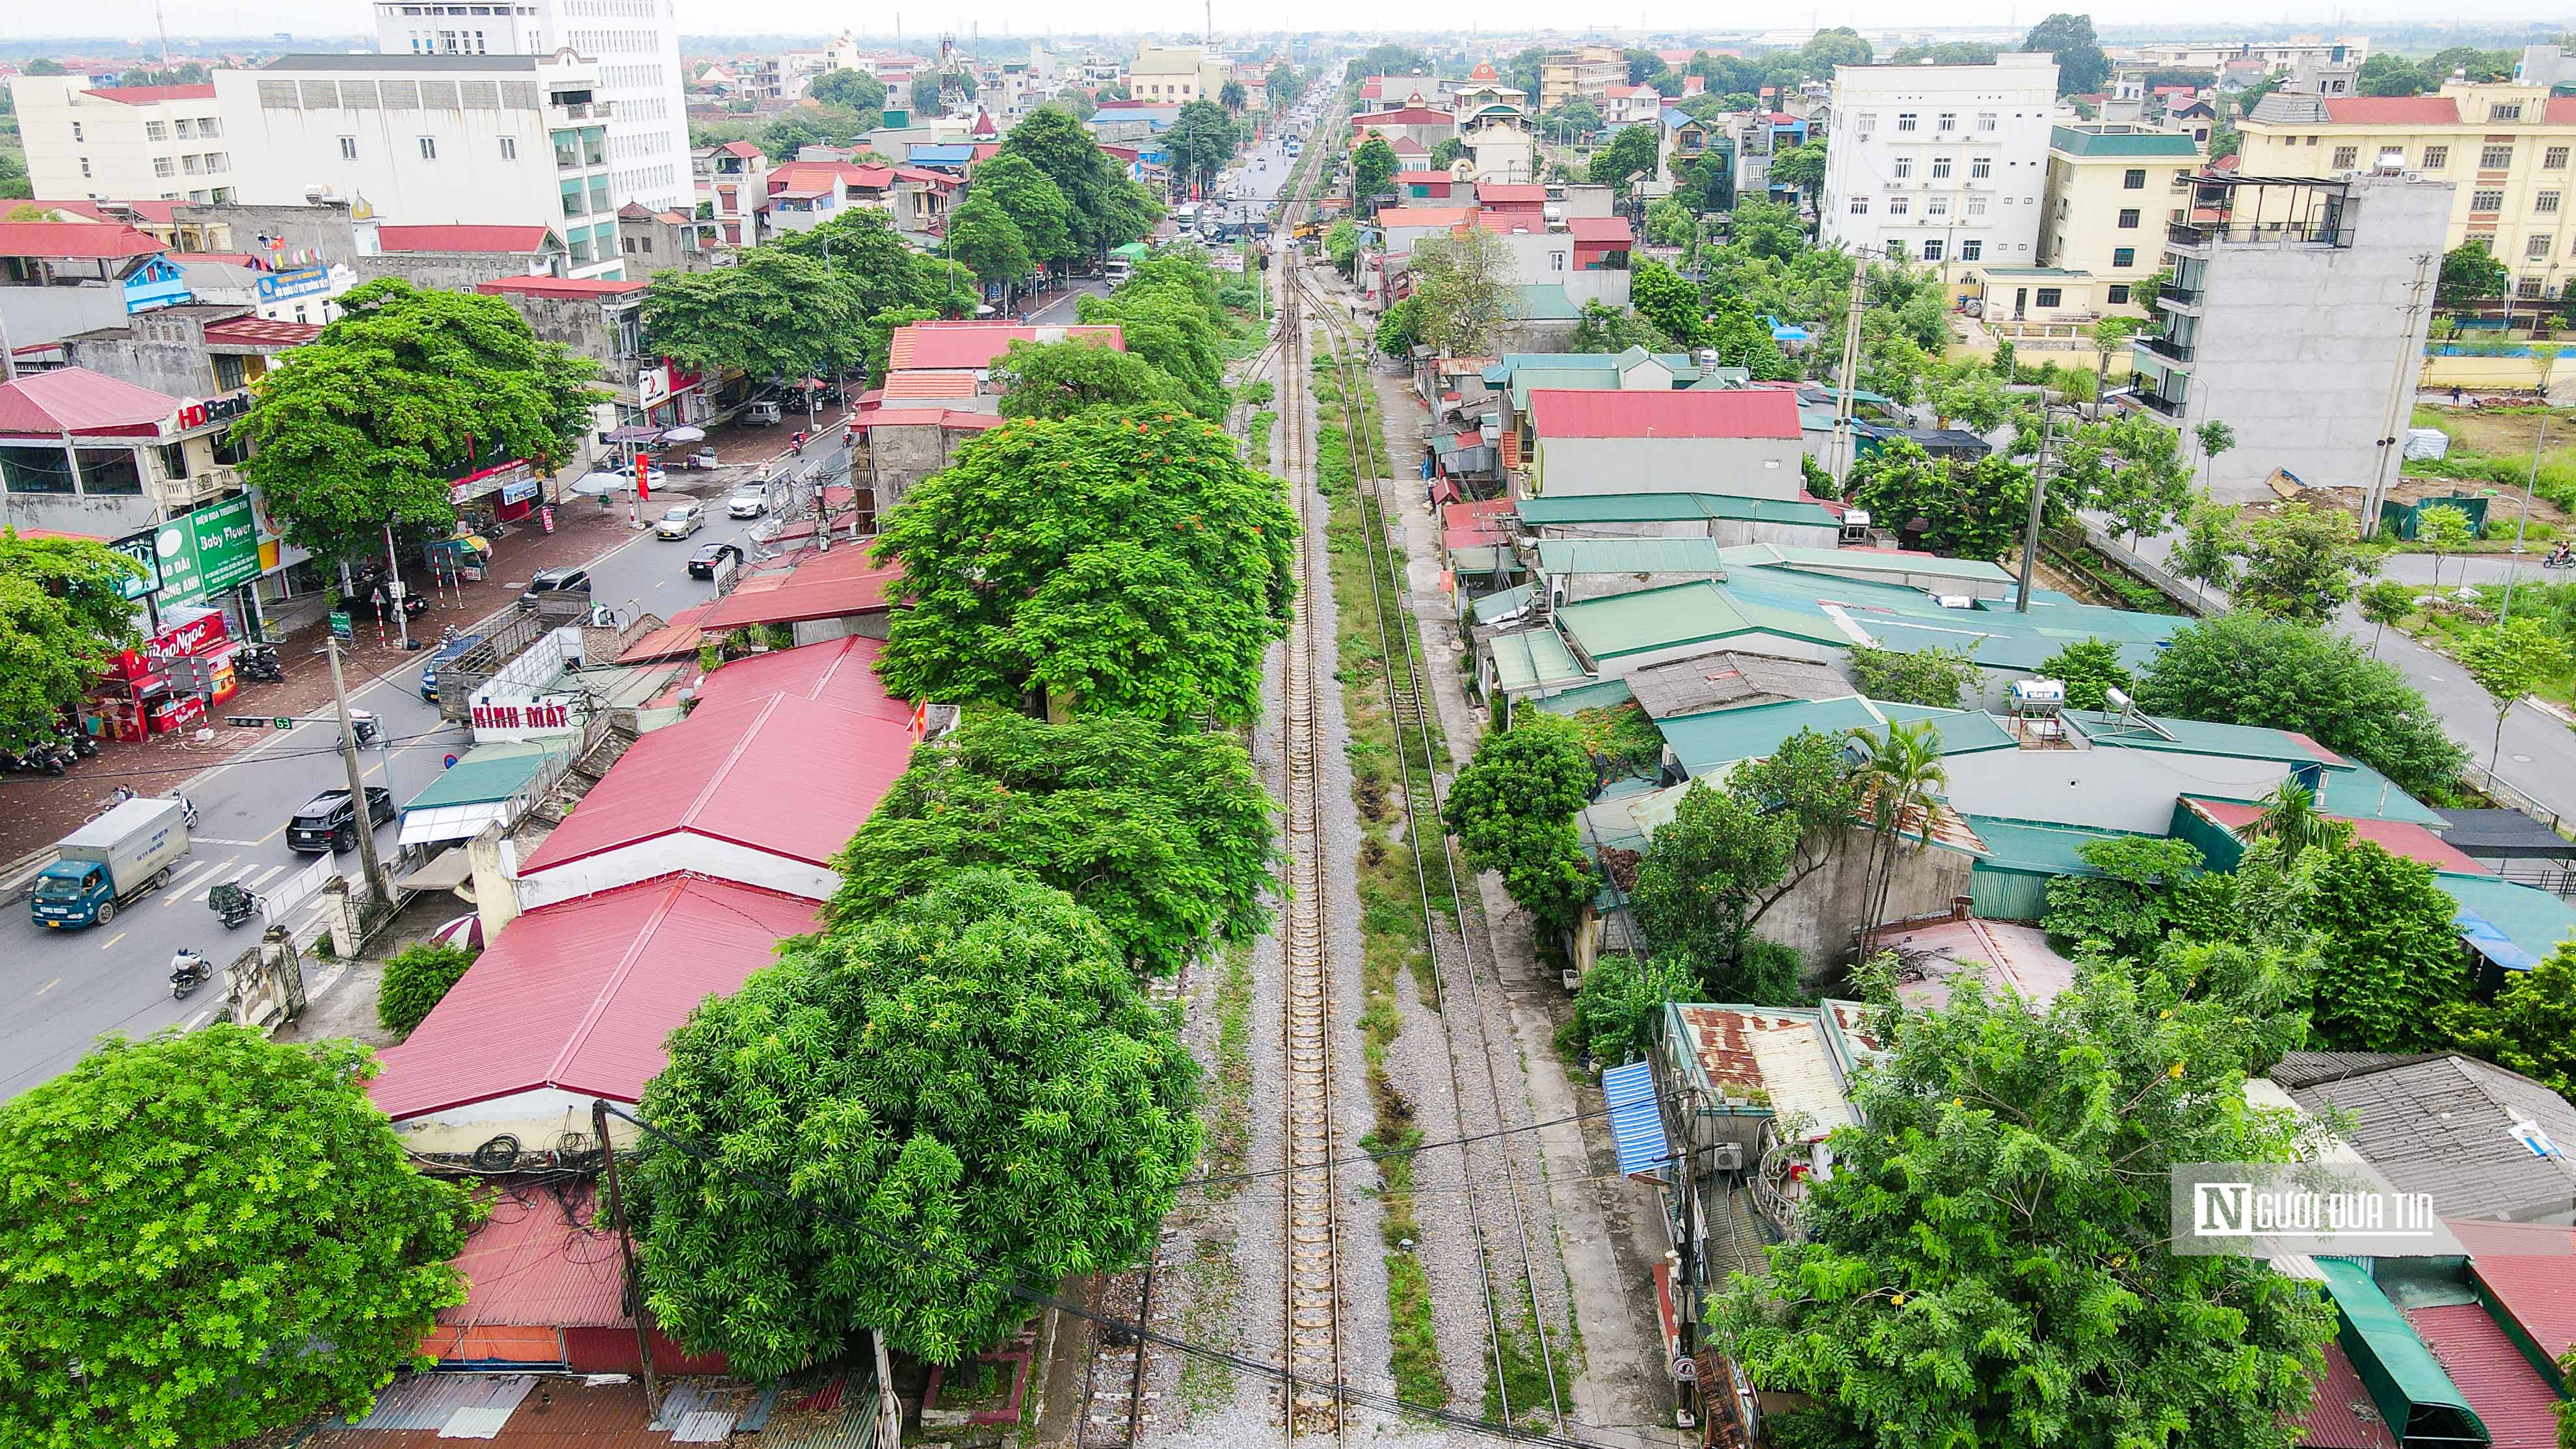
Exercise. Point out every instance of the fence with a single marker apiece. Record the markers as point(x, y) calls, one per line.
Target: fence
point(2193, 599)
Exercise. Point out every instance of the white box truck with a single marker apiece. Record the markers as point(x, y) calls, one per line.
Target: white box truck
point(110, 861)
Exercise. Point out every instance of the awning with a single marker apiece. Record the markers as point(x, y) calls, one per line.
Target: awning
point(2407, 1383)
point(633, 435)
point(1636, 1121)
point(2491, 943)
point(444, 872)
point(451, 822)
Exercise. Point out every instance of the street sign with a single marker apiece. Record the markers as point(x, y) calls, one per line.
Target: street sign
point(283, 722)
point(341, 628)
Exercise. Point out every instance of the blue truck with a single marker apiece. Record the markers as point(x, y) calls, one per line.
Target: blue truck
point(110, 861)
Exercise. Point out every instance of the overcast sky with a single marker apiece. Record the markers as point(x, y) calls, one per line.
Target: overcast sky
point(27, 19)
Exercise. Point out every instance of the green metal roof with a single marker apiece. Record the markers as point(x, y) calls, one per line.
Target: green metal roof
point(1534, 659)
point(1485, 558)
point(1134, 251)
point(1692, 613)
point(1608, 694)
point(2042, 846)
point(2532, 919)
point(1628, 555)
point(1665, 508)
point(1712, 741)
point(2168, 144)
point(485, 775)
point(1503, 367)
point(2203, 737)
point(1546, 302)
point(1960, 731)
point(1498, 604)
point(1588, 379)
point(2401, 1374)
point(1866, 560)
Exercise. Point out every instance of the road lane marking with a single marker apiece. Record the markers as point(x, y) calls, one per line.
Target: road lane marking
point(111, 941)
point(179, 881)
point(272, 835)
point(264, 877)
point(214, 880)
point(212, 840)
point(199, 1019)
point(48, 986)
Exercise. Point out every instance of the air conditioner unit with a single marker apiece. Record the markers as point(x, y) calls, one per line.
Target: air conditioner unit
point(1726, 1157)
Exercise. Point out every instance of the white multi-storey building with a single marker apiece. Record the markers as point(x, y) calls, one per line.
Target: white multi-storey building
point(1940, 163)
point(492, 141)
point(122, 143)
point(635, 42)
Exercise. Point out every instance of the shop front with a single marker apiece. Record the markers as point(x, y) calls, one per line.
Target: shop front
point(489, 502)
point(179, 674)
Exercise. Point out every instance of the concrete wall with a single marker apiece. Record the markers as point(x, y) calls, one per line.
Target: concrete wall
point(2019, 91)
point(2117, 789)
point(448, 271)
point(49, 314)
point(108, 517)
point(1576, 587)
point(1743, 467)
point(898, 457)
point(1827, 911)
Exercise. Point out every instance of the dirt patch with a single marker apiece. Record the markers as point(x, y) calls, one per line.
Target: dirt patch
point(2501, 434)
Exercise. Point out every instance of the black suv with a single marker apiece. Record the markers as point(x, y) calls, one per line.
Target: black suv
point(327, 823)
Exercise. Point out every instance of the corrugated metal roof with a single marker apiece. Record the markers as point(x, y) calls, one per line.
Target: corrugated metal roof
point(2038, 845)
point(1866, 562)
point(2518, 1407)
point(1566, 510)
point(2534, 920)
point(1954, 731)
point(920, 383)
point(2340, 1414)
point(463, 238)
point(484, 774)
point(1685, 413)
point(1636, 1119)
point(970, 344)
point(793, 777)
point(429, 1401)
point(2445, 1126)
point(1705, 743)
point(2535, 1288)
point(2171, 145)
point(1697, 612)
point(579, 995)
point(1781, 1053)
point(79, 401)
point(2396, 1355)
point(1731, 677)
point(539, 1260)
point(1628, 555)
point(1534, 659)
point(2005, 955)
point(87, 240)
point(2397, 837)
point(838, 672)
point(679, 636)
point(817, 585)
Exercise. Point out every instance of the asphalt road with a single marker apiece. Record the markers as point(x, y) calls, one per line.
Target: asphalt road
point(62, 990)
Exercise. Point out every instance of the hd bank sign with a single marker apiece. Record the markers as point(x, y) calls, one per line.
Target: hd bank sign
point(2276, 1210)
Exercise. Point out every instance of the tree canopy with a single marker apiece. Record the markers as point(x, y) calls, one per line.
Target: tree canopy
point(854, 89)
point(774, 313)
point(365, 425)
point(1107, 207)
point(1059, 379)
point(964, 1092)
point(1372, 168)
point(1731, 853)
point(2081, 66)
point(1462, 286)
point(1513, 808)
point(1124, 559)
point(1202, 138)
point(1629, 156)
point(1965, 509)
point(210, 1235)
point(1036, 206)
point(1169, 312)
point(63, 616)
point(1163, 835)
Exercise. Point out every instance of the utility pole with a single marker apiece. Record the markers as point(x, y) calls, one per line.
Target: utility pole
point(1846, 376)
point(2513, 560)
point(393, 568)
point(626, 1252)
point(361, 821)
point(2410, 363)
point(2038, 499)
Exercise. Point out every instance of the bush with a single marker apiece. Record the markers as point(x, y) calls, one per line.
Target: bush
point(416, 980)
point(1620, 1006)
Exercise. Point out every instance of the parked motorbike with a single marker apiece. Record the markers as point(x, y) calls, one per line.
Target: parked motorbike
point(74, 745)
point(188, 971)
point(258, 664)
point(40, 755)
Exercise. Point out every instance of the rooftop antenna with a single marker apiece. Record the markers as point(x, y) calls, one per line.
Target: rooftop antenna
point(158, 23)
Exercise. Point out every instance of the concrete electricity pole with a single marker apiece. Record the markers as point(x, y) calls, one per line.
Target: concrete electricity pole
point(1846, 377)
point(361, 821)
point(2410, 363)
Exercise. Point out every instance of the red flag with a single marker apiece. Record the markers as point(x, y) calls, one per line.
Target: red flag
point(920, 725)
point(643, 479)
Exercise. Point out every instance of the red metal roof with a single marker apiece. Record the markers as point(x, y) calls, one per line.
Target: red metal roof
point(1496, 194)
point(2518, 1407)
point(154, 210)
point(261, 332)
point(2535, 1287)
point(928, 383)
point(2397, 837)
point(744, 149)
point(563, 287)
point(579, 995)
point(952, 419)
point(1600, 229)
point(2392, 110)
point(1404, 116)
point(839, 672)
point(678, 636)
point(787, 776)
point(151, 95)
point(525, 1265)
point(466, 238)
point(977, 344)
point(1432, 178)
point(77, 400)
point(817, 586)
point(1425, 216)
point(1692, 413)
point(87, 240)
point(2340, 1412)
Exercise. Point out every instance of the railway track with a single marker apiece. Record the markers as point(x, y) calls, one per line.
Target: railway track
point(1506, 1255)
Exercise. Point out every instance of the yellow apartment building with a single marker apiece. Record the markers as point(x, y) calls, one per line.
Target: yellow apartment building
point(2111, 190)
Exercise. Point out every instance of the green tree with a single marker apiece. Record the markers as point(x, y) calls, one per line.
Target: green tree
point(210, 1236)
point(1830, 47)
point(362, 428)
point(2508, 661)
point(2386, 602)
point(876, 335)
point(1448, 153)
point(1123, 560)
point(2470, 273)
point(2210, 544)
point(1665, 298)
point(1513, 806)
point(1059, 379)
point(2290, 816)
point(2443, 530)
point(1629, 156)
point(2214, 437)
point(1342, 244)
point(2132, 468)
point(1600, 327)
point(854, 89)
point(1372, 170)
point(1108, 208)
point(416, 979)
point(1899, 776)
point(1283, 86)
point(990, 245)
point(2089, 668)
point(1619, 1008)
point(1201, 140)
point(2137, 891)
point(2388, 75)
point(2388, 955)
point(1233, 96)
point(1034, 203)
point(1462, 285)
point(860, 252)
point(63, 616)
point(1669, 223)
point(1162, 834)
point(2302, 564)
point(1169, 314)
point(964, 1092)
point(2248, 669)
point(1400, 330)
point(2531, 1028)
point(1729, 855)
point(2081, 66)
point(1802, 167)
point(1988, 1260)
point(1965, 509)
point(774, 313)
point(1941, 676)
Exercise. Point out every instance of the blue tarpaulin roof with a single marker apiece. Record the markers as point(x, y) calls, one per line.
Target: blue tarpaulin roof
point(1636, 1122)
point(2491, 943)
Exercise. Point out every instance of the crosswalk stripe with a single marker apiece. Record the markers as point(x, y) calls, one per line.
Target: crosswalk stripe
point(264, 877)
point(214, 879)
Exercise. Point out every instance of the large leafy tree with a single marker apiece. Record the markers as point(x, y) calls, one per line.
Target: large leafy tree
point(861, 253)
point(1201, 139)
point(1162, 834)
point(1966, 509)
point(2248, 669)
point(906, 1115)
point(2143, 889)
point(853, 89)
point(2081, 65)
point(1731, 853)
point(1059, 379)
point(775, 313)
point(1667, 299)
point(1033, 202)
point(2388, 956)
point(209, 1236)
point(63, 616)
point(2531, 1028)
point(362, 428)
point(1630, 155)
point(2508, 662)
point(2130, 467)
point(1989, 1262)
point(1122, 559)
point(1942, 676)
point(2090, 669)
point(1372, 169)
point(1169, 314)
point(1463, 283)
point(2471, 272)
point(983, 236)
point(1513, 808)
point(2302, 563)
point(1802, 167)
point(1107, 207)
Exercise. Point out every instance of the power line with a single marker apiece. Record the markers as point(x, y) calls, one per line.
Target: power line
point(1418, 1147)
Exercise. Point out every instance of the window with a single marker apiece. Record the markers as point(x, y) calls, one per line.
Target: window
point(2129, 219)
point(1981, 168)
point(161, 166)
point(1976, 206)
point(208, 128)
point(509, 148)
point(174, 459)
point(1940, 168)
point(1556, 261)
point(84, 165)
point(2117, 294)
point(2047, 297)
point(2495, 158)
point(2554, 159)
point(192, 165)
point(2436, 157)
point(2536, 250)
point(429, 148)
point(1898, 205)
point(2124, 256)
point(2504, 111)
point(2347, 157)
point(2486, 201)
point(2134, 179)
point(76, 130)
point(2312, 140)
point(229, 372)
point(1904, 167)
point(2545, 204)
point(1936, 206)
point(1985, 120)
point(1860, 206)
point(155, 131)
point(182, 124)
point(1904, 121)
point(348, 148)
point(1949, 122)
point(2528, 289)
point(1972, 249)
point(1932, 251)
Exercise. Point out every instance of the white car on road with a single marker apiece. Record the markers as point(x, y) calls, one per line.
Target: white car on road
point(747, 503)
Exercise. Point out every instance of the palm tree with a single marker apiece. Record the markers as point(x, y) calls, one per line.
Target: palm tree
point(1903, 769)
point(2290, 816)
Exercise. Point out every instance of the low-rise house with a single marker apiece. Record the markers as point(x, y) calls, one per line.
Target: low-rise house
point(603, 320)
point(62, 277)
point(951, 364)
point(732, 185)
point(461, 258)
point(899, 446)
point(1740, 441)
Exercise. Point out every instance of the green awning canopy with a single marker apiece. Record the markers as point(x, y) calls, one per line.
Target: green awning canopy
point(2413, 1394)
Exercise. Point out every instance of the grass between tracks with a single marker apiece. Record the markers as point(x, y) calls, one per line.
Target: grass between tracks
point(1393, 933)
point(1230, 1098)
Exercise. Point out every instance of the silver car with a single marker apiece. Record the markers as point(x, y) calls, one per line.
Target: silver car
point(680, 520)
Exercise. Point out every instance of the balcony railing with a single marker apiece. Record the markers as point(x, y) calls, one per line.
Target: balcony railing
point(2168, 406)
point(2320, 229)
point(2181, 296)
point(2166, 347)
point(584, 110)
point(200, 486)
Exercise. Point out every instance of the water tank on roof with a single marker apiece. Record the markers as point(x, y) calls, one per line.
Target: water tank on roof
point(1954, 601)
point(2039, 692)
